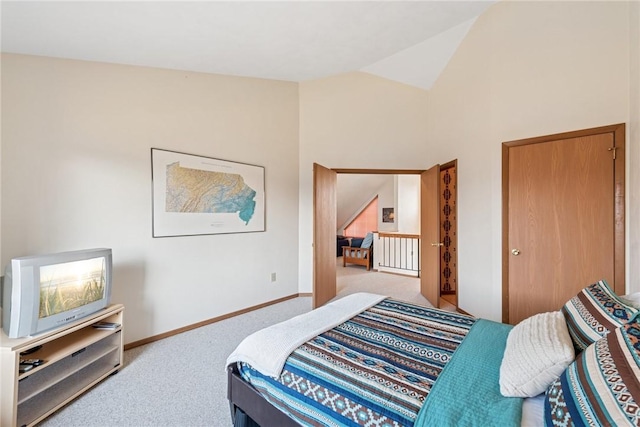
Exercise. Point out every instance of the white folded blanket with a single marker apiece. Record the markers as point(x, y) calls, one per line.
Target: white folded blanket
point(267, 350)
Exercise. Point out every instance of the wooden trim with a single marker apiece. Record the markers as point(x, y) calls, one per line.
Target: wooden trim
point(208, 322)
point(449, 164)
point(505, 232)
point(400, 235)
point(379, 171)
point(615, 129)
point(619, 142)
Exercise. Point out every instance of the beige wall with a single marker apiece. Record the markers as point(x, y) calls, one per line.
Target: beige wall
point(76, 139)
point(525, 69)
point(355, 120)
point(408, 211)
point(76, 173)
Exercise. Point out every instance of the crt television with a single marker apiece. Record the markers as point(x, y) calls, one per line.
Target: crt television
point(42, 292)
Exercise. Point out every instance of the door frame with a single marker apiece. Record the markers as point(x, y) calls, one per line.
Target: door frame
point(370, 172)
point(618, 131)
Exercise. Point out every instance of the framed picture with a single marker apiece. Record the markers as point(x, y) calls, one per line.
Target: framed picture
point(388, 215)
point(195, 195)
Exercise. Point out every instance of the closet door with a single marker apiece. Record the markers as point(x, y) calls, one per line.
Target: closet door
point(564, 207)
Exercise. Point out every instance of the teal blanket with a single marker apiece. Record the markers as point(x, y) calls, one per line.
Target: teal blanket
point(467, 392)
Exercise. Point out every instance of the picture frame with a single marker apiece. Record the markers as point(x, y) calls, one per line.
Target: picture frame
point(388, 215)
point(198, 195)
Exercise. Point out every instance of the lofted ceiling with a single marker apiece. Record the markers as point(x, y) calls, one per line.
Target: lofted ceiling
point(354, 192)
point(406, 41)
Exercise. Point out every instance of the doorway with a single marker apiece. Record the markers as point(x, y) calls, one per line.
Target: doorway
point(369, 203)
point(324, 276)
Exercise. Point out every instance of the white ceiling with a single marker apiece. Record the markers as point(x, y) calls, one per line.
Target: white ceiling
point(406, 41)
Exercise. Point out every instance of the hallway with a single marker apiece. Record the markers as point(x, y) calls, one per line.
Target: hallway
point(355, 278)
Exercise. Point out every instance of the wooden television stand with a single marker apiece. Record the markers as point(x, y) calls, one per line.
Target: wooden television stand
point(75, 357)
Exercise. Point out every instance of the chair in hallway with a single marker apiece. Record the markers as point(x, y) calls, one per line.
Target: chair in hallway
point(361, 255)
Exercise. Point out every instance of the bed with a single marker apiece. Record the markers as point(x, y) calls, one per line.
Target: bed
point(370, 360)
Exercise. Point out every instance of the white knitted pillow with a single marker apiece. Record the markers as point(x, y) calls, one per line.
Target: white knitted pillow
point(538, 350)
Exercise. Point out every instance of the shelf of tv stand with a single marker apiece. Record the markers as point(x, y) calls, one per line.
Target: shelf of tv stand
point(67, 344)
point(58, 373)
point(76, 357)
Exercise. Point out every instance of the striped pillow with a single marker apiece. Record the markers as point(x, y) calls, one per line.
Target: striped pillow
point(593, 313)
point(602, 386)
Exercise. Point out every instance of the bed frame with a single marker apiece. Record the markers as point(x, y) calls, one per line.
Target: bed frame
point(244, 399)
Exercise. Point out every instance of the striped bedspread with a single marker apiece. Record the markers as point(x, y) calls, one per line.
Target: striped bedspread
point(375, 369)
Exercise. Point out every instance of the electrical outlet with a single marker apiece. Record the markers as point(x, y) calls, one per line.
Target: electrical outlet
point(273, 277)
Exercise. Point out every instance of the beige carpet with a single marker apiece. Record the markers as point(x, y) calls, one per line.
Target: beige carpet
point(356, 278)
point(181, 380)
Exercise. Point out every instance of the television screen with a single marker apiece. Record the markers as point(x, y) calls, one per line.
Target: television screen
point(47, 291)
point(69, 285)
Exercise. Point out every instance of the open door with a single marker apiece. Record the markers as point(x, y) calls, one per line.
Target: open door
point(324, 234)
point(430, 235)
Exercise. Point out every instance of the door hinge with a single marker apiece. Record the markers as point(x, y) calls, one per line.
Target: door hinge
point(614, 151)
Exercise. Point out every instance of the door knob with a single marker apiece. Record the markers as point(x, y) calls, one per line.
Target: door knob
point(437, 244)
point(516, 252)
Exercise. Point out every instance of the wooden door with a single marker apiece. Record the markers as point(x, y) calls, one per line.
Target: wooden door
point(449, 231)
point(324, 234)
point(564, 207)
point(430, 235)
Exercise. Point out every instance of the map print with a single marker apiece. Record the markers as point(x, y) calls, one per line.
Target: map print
point(200, 191)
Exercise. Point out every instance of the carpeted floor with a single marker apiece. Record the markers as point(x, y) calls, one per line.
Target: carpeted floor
point(181, 380)
point(178, 381)
point(356, 278)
